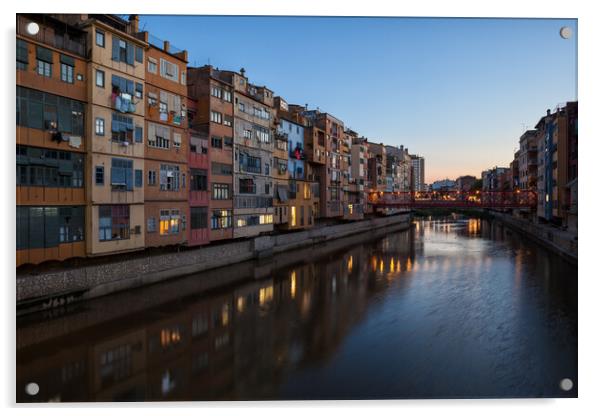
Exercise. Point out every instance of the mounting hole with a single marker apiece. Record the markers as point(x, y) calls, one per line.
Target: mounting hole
point(566, 384)
point(32, 389)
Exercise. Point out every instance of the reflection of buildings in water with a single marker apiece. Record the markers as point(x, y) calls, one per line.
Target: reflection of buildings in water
point(230, 344)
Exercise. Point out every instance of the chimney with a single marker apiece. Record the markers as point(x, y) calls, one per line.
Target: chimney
point(548, 111)
point(166, 46)
point(242, 71)
point(134, 22)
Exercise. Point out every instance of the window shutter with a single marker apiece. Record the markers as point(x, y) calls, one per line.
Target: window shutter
point(129, 53)
point(129, 87)
point(138, 134)
point(115, 56)
point(67, 60)
point(117, 176)
point(44, 54)
point(138, 178)
point(138, 54)
point(22, 54)
point(177, 138)
point(129, 179)
point(151, 133)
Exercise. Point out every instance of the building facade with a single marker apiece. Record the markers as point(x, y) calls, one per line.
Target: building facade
point(199, 165)
point(254, 124)
point(527, 161)
point(418, 173)
point(377, 167)
point(213, 122)
point(167, 176)
point(555, 131)
point(51, 142)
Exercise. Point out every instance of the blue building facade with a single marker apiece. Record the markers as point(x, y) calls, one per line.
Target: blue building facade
point(296, 150)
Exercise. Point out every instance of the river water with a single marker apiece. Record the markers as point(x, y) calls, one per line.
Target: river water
point(454, 307)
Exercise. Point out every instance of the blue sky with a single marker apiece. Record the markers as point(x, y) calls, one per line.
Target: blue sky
point(460, 92)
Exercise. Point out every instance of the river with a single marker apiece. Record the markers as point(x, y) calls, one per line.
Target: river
point(453, 307)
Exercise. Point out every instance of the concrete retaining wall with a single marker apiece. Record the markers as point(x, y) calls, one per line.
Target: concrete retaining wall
point(46, 290)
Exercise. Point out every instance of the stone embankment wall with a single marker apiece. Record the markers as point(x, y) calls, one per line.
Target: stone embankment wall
point(57, 288)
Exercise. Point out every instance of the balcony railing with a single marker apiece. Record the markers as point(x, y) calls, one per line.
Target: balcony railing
point(242, 201)
point(53, 37)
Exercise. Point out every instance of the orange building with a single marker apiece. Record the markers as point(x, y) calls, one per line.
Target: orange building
point(166, 147)
point(51, 139)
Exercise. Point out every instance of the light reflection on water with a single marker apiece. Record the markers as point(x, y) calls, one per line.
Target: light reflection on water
point(451, 308)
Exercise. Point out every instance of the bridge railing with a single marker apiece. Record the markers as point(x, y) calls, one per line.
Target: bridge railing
point(482, 199)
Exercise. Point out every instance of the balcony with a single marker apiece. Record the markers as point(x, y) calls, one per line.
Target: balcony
point(198, 160)
point(54, 33)
point(253, 201)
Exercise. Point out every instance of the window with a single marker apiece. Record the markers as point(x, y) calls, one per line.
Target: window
point(267, 188)
point(169, 70)
point(246, 186)
point(249, 163)
point(66, 73)
point(267, 169)
point(241, 107)
point(138, 134)
point(228, 121)
point(198, 217)
point(198, 180)
point(216, 117)
point(169, 221)
point(99, 175)
point(262, 134)
point(99, 126)
point(113, 222)
point(177, 140)
point(152, 65)
point(122, 51)
point(151, 225)
point(152, 177)
point(221, 169)
point(122, 128)
point(228, 141)
point(221, 219)
point(49, 168)
point(158, 136)
point(100, 78)
point(216, 142)
point(22, 54)
point(36, 109)
point(227, 96)
point(100, 38)
point(138, 56)
point(220, 191)
point(216, 92)
point(138, 178)
point(248, 134)
point(44, 68)
point(138, 93)
point(169, 178)
point(39, 227)
point(122, 174)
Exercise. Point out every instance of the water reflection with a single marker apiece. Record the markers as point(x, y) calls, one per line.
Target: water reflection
point(451, 308)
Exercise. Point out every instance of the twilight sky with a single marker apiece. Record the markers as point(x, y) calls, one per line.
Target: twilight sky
point(459, 92)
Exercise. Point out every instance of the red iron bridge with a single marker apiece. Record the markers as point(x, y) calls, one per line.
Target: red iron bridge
point(454, 199)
